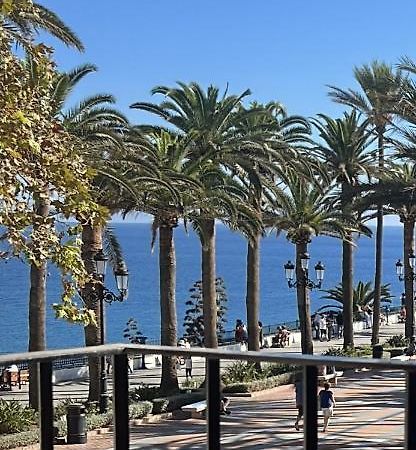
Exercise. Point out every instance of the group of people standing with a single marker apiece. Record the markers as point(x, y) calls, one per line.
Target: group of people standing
point(328, 326)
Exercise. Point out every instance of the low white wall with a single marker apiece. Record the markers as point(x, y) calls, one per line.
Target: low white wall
point(75, 373)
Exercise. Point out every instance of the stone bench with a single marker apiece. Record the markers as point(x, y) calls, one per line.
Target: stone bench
point(196, 409)
point(330, 376)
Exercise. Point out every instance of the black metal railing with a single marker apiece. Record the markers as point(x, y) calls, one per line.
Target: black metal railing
point(119, 352)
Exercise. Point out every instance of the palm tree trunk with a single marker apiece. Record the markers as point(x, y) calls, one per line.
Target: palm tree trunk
point(91, 244)
point(379, 252)
point(408, 246)
point(37, 313)
point(303, 297)
point(253, 292)
point(167, 273)
point(208, 283)
point(348, 290)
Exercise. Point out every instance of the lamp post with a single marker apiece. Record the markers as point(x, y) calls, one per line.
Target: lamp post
point(410, 307)
point(298, 277)
point(305, 281)
point(106, 296)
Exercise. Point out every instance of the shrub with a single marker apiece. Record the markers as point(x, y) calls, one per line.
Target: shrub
point(397, 340)
point(259, 385)
point(192, 383)
point(15, 417)
point(160, 405)
point(140, 410)
point(144, 393)
point(95, 421)
point(241, 372)
point(18, 440)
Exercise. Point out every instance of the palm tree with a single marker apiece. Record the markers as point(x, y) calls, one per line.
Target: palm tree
point(277, 134)
point(397, 189)
point(209, 121)
point(381, 91)
point(363, 296)
point(344, 151)
point(305, 211)
point(21, 21)
point(98, 127)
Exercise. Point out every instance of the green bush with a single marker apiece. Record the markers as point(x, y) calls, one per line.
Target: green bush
point(259, 385)
point(15, 417)
point(144, 393)
point(192, 383)
point(174, 402)
point(95, 421)
point(19, 439)
point(241, 372)
point(397, 340)
point(364, 350)
point(140, 409)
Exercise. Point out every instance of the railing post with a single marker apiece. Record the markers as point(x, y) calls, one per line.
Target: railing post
point(310, 382)
point(45, 405)
point(121, 402)
point(410, 410)
point(213, 404)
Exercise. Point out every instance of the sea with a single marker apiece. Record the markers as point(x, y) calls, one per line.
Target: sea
point(278, 302)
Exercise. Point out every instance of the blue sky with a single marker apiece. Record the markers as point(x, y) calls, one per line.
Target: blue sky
point(286, 51)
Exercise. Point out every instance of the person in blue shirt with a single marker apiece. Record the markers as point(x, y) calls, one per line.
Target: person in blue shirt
point(327, 403)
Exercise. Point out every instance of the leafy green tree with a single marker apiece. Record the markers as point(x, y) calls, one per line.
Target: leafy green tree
point(43, 170)
point(193, 322)
point(381, 89)
point(345, 151)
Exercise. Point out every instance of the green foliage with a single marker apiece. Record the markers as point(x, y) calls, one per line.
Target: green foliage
point(364, 350)
point(132, 332)
point(260, 384)
point(398, 340)
point(14, 417)
point(194, 320)
point(140, 409)
point(192, 383)
point(363, 295)
point(144, 393)
point(18, 440)
point(242, 372)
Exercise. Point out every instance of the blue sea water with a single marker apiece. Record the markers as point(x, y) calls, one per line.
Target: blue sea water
point(278, 302)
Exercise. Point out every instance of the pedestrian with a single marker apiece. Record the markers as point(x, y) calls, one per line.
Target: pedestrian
point(327, 404)
point(188, 366)
point(340, 324)
point(224, 402)
point(239, 331)
point(367, 319)
point(329, 327)
point(316, 321)
point(299, 399)
point(322, 328)
point(130, 362)
point(261, 334)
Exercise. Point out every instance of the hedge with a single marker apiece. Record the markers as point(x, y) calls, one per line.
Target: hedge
point(19, 439)
point(259, 385)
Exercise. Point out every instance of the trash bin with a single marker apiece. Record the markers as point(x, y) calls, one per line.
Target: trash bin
point(377, 351)
point(76, 424)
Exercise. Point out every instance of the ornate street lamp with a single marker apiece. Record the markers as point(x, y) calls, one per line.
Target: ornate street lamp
point(105, 295)
point(411, 313)
point(305, 280)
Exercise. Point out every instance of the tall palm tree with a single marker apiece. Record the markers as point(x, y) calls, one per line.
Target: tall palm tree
point(381, 91)
point(397, 189)
point(22, 20)
point(209, 121)
point(277, 134)
point(304, 211)
point(98, 127)
point(345, 153)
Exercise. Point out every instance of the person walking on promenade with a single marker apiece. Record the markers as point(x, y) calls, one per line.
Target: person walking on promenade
point(322, 328)
point(316, 321)
point(327, 403)
point(299, 399)
point(188, 361)
point(340, 325)
point(261, 334)
point(329, 327)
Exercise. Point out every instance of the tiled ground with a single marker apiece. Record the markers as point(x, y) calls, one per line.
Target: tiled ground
point(369, 415)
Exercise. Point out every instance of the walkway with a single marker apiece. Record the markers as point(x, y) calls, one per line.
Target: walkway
point(369, 415)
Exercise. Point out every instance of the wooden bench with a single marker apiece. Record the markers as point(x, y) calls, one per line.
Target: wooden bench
point(330, 376)
point(197, 409)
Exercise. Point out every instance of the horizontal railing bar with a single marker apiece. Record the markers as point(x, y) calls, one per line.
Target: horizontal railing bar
point(280, 358)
